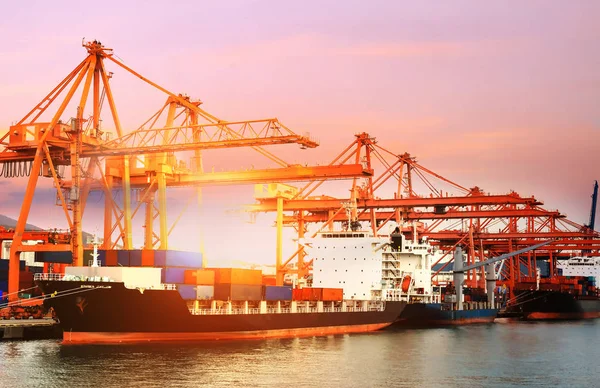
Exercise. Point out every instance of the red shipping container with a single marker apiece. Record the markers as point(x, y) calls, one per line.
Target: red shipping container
point(312, 294)
point(111, 258)
point(297, 294)
point(54, 268)
point(306, 293)
point(317, 294)
point(269, 280)
point(332, 294)
point(147, 258)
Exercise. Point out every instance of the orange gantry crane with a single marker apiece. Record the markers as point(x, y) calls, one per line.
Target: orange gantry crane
point(36, 148)
point(487, 225)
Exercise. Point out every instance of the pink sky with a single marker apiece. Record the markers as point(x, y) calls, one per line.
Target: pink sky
point(496, 94)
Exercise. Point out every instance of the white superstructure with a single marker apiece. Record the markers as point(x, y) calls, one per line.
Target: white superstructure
point(580, 266)
point(347, 260)
point(368, 267)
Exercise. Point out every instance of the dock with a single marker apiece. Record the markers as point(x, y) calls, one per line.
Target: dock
point(26, 329)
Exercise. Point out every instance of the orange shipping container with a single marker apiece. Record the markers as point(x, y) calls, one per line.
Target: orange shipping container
point(237, 276)
point(147, 258)
point(111, 258)
point(332, 294)
point(199, 277)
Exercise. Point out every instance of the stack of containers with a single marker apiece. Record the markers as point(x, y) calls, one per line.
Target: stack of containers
point(174, 264)
point(238, 284)
point(200, 283)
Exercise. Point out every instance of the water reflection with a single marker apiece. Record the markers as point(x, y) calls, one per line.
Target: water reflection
point(476, 356)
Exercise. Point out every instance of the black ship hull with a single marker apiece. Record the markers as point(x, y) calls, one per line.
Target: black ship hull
point(553, 305)
point(95, 312)
point(417, 315)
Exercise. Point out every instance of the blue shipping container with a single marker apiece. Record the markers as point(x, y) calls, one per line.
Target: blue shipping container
point(4, 265)
point(178, 259)
point(123, 258)
point(173, 275)
point(54, 257)
point(187, 292)
point(278, 293)
point(3, 274)
point(4, 285)
point(135, 258)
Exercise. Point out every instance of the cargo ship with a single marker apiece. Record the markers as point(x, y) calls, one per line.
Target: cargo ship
point(572, 296)
point(390, 268)
point(132, 304)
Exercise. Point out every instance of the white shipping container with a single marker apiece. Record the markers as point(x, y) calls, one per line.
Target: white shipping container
point(133, 277)
point(205, 292)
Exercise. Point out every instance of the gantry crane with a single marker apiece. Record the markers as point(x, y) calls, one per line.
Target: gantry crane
point(459, 217)
point(81, 144)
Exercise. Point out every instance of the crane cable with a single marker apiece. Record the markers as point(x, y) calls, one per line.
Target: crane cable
point(56, 294)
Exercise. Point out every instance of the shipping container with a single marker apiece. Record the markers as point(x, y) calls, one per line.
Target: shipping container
point(147, 258)
point(177, 259)
point(187, 292)
point(237, 276)
point(311, 293)
point(111, 258)
point(278, 293)
point(269, 280)
point(205, 292)
point(297, 294)
point(239, 292)
point(199, 277)
point(54, 268)
point(123, 258)
point(173, 275)
point(54, 257)
point(332, 294)
point(4, 285)
point(135, 258)
point(3, 264)
point(3, 274)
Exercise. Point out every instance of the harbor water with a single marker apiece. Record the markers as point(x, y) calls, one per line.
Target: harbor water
point(493, 355)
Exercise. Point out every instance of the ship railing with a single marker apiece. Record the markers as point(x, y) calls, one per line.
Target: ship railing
point(48, 276)
point(299, 310)
point(166, 286)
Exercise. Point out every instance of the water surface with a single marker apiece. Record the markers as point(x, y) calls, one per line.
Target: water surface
point(500, 355)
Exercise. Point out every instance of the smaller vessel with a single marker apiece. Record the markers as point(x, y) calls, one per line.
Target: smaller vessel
point(572, 296)
point(430, 305)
